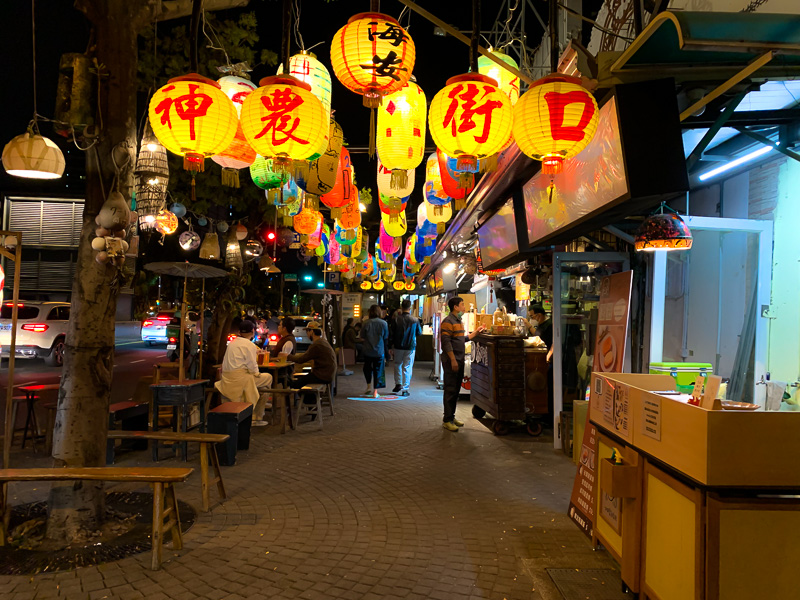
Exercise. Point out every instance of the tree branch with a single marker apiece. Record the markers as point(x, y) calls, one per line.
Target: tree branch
point(174, 9)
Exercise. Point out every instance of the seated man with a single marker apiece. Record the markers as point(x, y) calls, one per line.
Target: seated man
point(323, 355)
point(287, 342)
point(240, 378)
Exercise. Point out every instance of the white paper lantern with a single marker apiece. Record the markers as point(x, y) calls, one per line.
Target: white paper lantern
point(34, 157)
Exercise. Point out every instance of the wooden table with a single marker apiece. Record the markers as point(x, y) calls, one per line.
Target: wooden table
point(180, 395)
point(280, 371)
point(31, 397)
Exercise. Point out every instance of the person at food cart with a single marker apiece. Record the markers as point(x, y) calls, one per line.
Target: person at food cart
point(453, 343)
point(240, 379)
point(539, 324)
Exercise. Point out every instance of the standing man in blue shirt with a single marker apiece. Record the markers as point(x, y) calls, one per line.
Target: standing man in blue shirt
point(404, 331)
point(375, 334)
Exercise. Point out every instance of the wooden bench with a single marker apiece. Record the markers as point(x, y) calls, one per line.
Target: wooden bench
point(161, 479)
point(204, 439)
point(233, 419)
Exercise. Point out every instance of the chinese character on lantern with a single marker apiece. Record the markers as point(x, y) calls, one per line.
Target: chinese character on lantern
point(280, 117)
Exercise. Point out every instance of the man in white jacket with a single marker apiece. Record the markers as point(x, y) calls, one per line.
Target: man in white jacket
point(240, 380)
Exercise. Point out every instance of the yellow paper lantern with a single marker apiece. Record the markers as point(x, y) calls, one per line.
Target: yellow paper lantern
point(192, 117)
point(166, 222)
point(378, 285)
point(392, 186)
point(283, 120)
point(401, 133)
point(554, 120)
point(366, 285)
point(470, 119)
point(439, 214)
point(305, 67)
point(373, 56)
point(506, 80)
point(409, 285)
point(398, 285)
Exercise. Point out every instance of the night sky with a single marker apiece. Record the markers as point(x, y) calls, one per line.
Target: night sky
point(60, 28)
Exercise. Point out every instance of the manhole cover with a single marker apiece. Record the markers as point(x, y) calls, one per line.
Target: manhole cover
point(17, 561)
point(589, 584)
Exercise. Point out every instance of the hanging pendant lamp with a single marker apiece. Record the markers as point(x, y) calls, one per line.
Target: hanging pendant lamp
point(663, 231)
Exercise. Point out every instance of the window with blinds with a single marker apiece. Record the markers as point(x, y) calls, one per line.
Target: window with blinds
point(45, 222)
point(51, 230)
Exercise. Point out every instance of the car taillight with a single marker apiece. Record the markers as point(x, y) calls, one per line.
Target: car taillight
point(37, 327)
point(162, 318)
point(21, 305)
point(273, 337)
point(147, 323)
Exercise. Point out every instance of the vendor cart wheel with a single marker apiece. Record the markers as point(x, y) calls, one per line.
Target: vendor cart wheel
point(478, 412)
point(500, 428)
point(535, 428)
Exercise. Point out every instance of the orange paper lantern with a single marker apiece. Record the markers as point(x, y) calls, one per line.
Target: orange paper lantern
point(470, 119)
point(343, 192)
point(166, 222)
point(307, 221)
point(373, 56)
point(350, 216)
point(554, 120)
point(192, 117)
point(283, 120)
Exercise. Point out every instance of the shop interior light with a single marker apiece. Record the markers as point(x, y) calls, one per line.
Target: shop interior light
point(736, 163)
point(663, 231)
point(362, 207)
point(449, 267)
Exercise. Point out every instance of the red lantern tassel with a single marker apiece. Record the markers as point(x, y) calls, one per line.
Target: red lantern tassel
point(194, 162)
point(372, 132)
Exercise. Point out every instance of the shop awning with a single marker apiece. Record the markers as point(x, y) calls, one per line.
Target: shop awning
point(696, 45)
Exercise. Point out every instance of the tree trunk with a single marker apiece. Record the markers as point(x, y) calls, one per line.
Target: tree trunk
point(79, 436)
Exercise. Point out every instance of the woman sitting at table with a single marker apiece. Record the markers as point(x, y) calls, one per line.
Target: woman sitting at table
point(240, 379)
point(287, 342)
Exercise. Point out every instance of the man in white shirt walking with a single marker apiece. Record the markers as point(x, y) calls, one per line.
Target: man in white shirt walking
point(240, 380)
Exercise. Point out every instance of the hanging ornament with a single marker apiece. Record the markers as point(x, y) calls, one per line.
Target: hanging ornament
point(388, 244)
point(385, 182)
point(506, 80)
point(178, 209)
point(425, 227)
point(554, 120)
point(282, 119)
point(333, 254)
point(395, 225)
point(189, 240)
point(439, 214)
point(222, 227)
point(264, 175)
point(372, 56)
point(449, 179)
point(350, 215)
point(166, 222)
point(114, 214)
point(241, 232)
point(193, 118)
point(401, 135)
point(319, 176)
point(307, 221)
point(343, 192)
point(392, 206)
point(470, 119)
point(233, 252)
point(209, 249)
point(434, 188)
point(253, 249)
point(151, 178)
point(237, 89)
point(33, 156)
point(236, 156)
point(202, 221)
point(305, 67)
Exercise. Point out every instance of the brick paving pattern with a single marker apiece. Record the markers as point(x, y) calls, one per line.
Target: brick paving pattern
point(382, 504)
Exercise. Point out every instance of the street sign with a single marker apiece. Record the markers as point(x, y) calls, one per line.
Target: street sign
point(290, 277)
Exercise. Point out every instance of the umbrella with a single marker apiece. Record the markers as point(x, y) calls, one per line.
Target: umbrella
point(186, 269)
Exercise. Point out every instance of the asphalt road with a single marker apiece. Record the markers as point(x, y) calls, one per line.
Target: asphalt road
point(133, 360)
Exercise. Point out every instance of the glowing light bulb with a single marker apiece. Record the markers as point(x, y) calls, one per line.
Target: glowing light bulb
point(152, 146)
point(362, 207)
point(150, 219)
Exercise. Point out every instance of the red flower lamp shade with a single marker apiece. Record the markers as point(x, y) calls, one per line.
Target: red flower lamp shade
point(663, 232)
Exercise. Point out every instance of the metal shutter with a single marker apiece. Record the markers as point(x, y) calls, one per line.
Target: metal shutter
point(46, 222)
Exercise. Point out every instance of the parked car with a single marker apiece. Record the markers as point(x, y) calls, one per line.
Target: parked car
point(154, 329)
point(41, 330)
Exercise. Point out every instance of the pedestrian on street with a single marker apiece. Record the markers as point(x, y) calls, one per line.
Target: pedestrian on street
point(404, 331)
point(375, 335)
point(240, 379)
point(453, 342)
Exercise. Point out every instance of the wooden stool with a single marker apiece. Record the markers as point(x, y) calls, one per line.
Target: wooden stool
point(50, 407)
point(31, 423)
point(326, 397)
point(234, 419)
point(304, 408)
point(165, 506)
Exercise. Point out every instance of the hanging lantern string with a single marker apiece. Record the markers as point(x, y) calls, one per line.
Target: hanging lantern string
point(194, 29)
point(298, 37)
point(34, 126)
point(221, 46)
point(286, 38)
point(476, 32)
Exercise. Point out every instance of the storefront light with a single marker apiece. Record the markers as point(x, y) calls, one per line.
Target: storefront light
point(735, 163)
point(449, 267)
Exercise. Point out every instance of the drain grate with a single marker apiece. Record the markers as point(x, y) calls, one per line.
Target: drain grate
point(588, 584)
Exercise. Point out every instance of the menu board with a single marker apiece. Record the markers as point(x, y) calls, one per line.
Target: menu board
point(581, 503)
point(612, 322)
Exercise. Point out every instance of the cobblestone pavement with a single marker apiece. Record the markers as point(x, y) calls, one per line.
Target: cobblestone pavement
point(382, 504)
